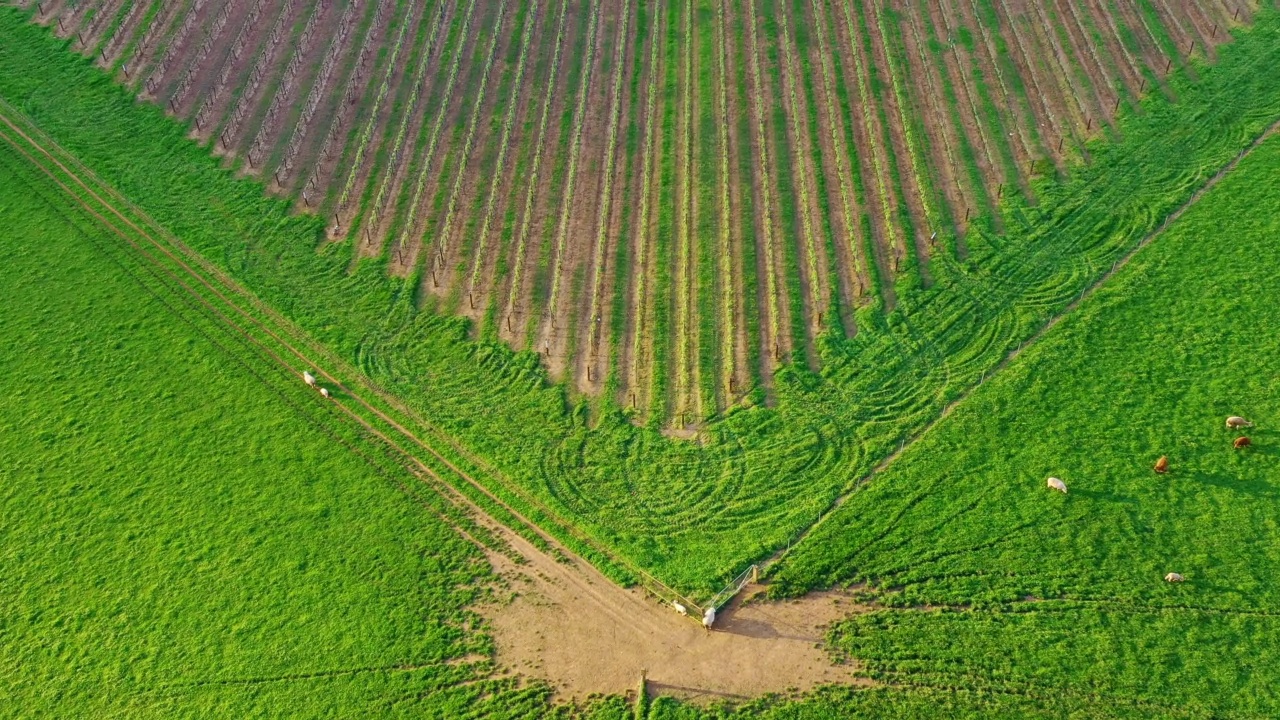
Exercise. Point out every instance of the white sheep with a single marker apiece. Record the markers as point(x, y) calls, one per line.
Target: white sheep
point(1056, 484)
point(1173, 577)
point(325, 392)
point(680, 608)
point(308, 378)
point(1235, 421)
point(709, 618)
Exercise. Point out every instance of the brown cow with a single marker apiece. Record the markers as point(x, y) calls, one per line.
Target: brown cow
point(1242, 442)
point(1162, 465)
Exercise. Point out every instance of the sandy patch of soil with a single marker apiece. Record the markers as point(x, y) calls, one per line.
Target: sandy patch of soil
point(567, 624)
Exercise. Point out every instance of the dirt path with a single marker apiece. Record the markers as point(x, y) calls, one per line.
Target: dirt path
point(570, 626)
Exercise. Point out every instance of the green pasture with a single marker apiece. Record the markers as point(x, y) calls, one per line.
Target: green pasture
point(185, 533)
point(993, 582)
point(693, 513)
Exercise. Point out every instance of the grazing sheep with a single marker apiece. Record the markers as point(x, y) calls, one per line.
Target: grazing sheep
point(1056, 484)
point(308, 378)
point(1162, 465)
point(324, 392)
point(1235, 421)
point(1173, 577)
point(1241, 442)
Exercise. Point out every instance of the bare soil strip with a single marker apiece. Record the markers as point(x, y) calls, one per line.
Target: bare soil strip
point(912, 166)
point(775, 332)
point(869, 136)
point(529, 232)
point(235, 129)
point(198, 69)
point(811, 248)
point(553, 337)
point(957, 190)
point(142, 52)
point(1129, 67)
point(851, 276)
point(637, 373)
point(409, 242)
point(156, 84)
point(340, 118)
point(480, 284)
point(412, 120)
point(590, 371)
point(440, 263)
point(305, 58)
point(234, 67)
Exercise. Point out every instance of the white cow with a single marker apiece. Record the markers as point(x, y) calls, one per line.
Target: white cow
point(1056, 484)
point(324, 392)
point(1235, 421)
point(308, 378)
point(1173, 577)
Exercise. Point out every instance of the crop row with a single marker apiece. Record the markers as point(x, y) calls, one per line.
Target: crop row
point(608, 229)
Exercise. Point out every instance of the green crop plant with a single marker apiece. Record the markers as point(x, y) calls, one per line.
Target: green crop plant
point(443, 236)
point(606, 193)
point(500, 164)
point(410, 224)
point(526, 217)
point(766, 188)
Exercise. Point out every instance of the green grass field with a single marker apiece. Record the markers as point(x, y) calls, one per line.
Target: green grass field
point(960, 532)
point(186, 536)
point(187, 531)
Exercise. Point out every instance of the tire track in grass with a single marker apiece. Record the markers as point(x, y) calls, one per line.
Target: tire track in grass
point(500, 172)
point(643, 227)
point(594, 317)
point(445, 235)
point(409, 227)
point(410, 124)
point(552, 338)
